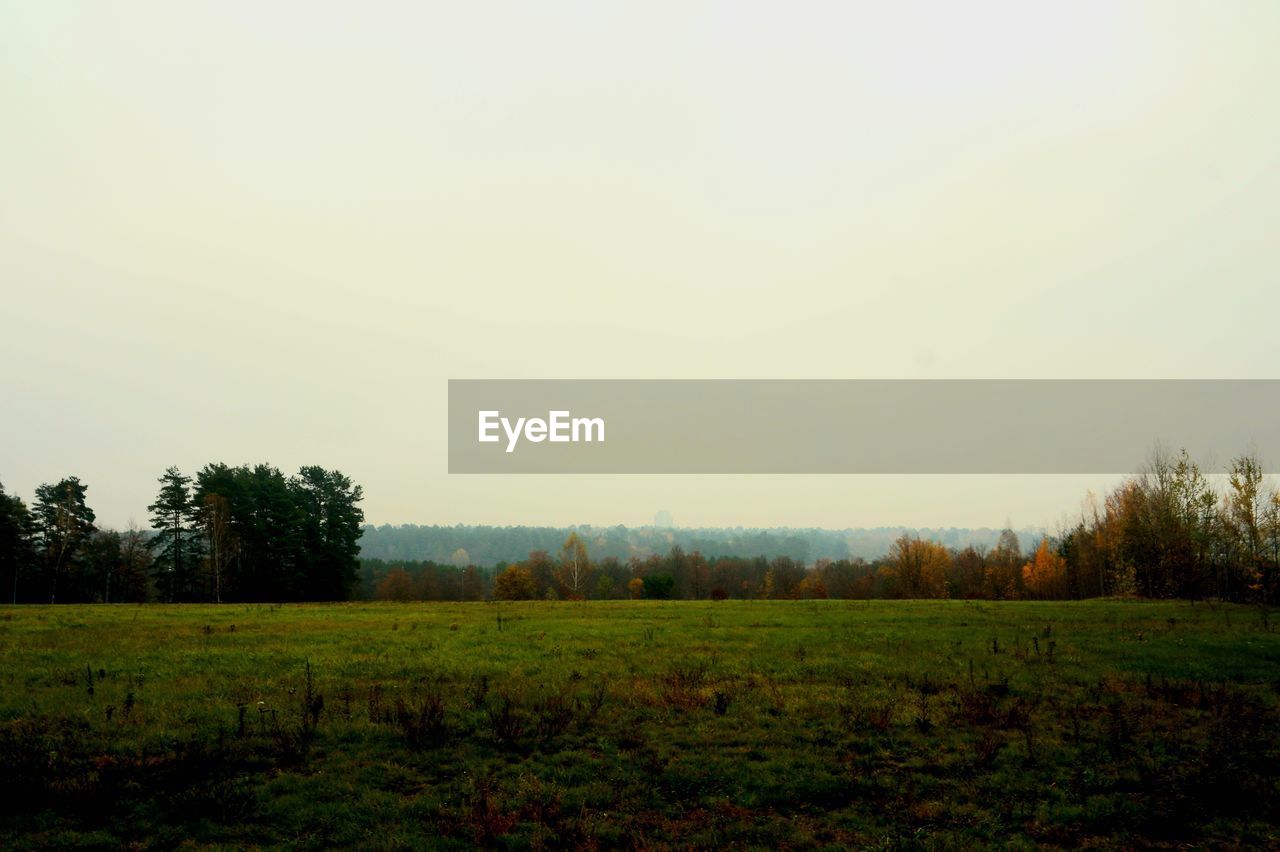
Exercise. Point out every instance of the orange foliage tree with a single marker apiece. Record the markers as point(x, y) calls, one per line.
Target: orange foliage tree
point(1045, 576)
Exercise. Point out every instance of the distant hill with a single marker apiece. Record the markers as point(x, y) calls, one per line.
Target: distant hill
point(485, 545)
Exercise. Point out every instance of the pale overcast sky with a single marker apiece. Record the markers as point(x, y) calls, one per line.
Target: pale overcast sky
point(272, 231)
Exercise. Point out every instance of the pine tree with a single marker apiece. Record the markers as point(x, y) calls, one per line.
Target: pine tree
point(332, 526)
point(173, 519)
point(16, 533)
point(63, 523)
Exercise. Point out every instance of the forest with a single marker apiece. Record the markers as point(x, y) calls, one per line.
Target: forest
point(248, 534)
point(228, 534)
point(489, 545)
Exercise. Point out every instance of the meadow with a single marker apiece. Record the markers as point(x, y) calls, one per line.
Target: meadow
point(769, 724)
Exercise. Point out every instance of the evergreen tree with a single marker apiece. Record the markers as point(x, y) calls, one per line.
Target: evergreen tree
point(173, 519)
point(16, 553)
point(332, 524)
point(273, 539)
point(272, 547)
point(62, 524)
point(222, 505)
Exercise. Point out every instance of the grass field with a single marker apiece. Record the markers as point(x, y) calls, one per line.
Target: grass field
point(762, 724)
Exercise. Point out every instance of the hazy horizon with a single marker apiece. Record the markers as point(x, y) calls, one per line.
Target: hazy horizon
point(241, 233)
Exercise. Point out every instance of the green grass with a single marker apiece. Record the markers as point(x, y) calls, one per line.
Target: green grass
point(759, 724)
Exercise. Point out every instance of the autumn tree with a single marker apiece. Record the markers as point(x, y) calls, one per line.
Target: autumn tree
point(1198, 525)
point(918, 568)
point(782, 580)
point(1003, 568)
point(1272, 541)
point(698, 573)
point(397, 586)
point(1082, 547)
point(968, 575)
point(1166, 532)
point(845, 578)
point(1044, 576)
point(812, 587)
point(1247, 503)
point(472, 584)
point(515, 584)
point(543, 571)
point(574, 570)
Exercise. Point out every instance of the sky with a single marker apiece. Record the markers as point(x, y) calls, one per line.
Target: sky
point(245, 231)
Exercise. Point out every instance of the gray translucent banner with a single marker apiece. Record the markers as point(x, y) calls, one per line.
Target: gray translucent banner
point(857, 426)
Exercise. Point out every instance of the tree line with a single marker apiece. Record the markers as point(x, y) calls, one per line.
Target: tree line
point(246, 533)
point(570, 574)
point(488, 545)
point(1166, 532)
point(253, 534)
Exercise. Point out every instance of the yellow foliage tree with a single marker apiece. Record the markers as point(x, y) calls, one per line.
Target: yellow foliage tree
point(919, 568)
point(1045, 576)
point(515, 584)
point(812, 587)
